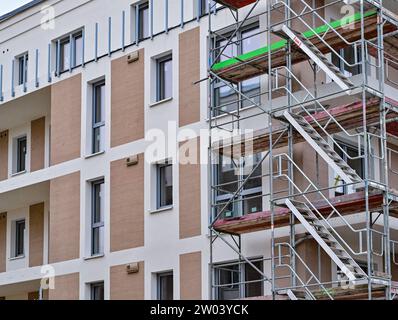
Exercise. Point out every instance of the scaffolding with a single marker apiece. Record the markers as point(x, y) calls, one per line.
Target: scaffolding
point(340, 96)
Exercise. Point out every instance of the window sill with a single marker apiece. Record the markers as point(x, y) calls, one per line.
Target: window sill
point(16, 174)
point(94, 155)
point(97, 256)
point(154, 104)
point(168, 208)
point(17, 258)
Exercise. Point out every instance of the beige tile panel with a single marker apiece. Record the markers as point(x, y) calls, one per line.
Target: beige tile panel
point(127, 205)
point(64, 218)
point(36, 234)
point(66, 288)
point(37, 144)
point(190, 204)
point(124, 286)
point(127, 120)
point(189, 73)
point(191, 276)
point(66, 119)
point(3, 155)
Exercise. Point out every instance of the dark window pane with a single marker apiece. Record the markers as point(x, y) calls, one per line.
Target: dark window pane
point(21, 154)
point(252, 203)
point(98, 141)
point(64, 55)
point(227, 279)
point(97, 217)
point(165, 79)
point(165, 186)
point(225, 100)
point(165, 287)
point(77, 49)
point(19, 238)
point(98, 117)
point(254, 289)
point(143, 21)
point(97, 291)
point(23, 69)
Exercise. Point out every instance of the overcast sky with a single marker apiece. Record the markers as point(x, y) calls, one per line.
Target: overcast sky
point(9, 5)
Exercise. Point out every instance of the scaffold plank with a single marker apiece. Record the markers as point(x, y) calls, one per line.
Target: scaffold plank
point(345, 204)
point(255, 63)
point(348, 116)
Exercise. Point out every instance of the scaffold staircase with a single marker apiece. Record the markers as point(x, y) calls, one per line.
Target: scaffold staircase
point(322, 148)
point(326, 240)
point(317, 56)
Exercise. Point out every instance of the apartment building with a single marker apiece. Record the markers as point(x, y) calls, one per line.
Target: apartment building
point(189, 149)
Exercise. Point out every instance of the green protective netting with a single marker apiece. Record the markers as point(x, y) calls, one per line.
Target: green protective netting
point(282, 43)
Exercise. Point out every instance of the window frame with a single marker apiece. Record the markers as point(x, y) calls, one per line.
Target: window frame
point(159, 287)
point(238, 204)
point(93, 287)
point(70, 40)
point(22, 75)
point(21, 160)
point(218, 85)
point(141, 7)
point(161, 77)
point(159, 188)
point(97, 125)
point(344, 147)
point(19, 238)
point(241, 273)
point(96, 225)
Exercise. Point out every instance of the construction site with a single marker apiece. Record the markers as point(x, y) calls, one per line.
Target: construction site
point(323, 143)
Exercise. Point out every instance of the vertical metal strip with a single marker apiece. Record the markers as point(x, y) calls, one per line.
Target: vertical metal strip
point(151, 19)
point(166, 16)
point(109, 36)
point(137, 24)
point(24, 71)
point(49, 63)
point(198, 9)
point(13, 78)
point(96, 43)
point(123, 29)
point(1, 83)
point(58, 58)
point(37, 69)
point(83, 47)
point(70, 52)
point(182, 13)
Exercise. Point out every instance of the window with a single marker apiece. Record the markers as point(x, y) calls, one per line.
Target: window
point(349, 61)
point(350, 155)
point(165, 286)
point(22, 69)
point(70, 57)
point(20, 149)
point(19, 238)
point(228, 283)
point(203, 7)
point(143, 20)
point(97, 217)
point(225, 98)
point(164, 79)
point(98, 133)
point(97, 291)
point(229, 174)
point(164, 185)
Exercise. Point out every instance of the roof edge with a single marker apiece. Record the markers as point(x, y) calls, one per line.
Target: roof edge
point(19, 10)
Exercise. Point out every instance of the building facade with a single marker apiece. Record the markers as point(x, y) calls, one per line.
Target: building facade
point(108, 189)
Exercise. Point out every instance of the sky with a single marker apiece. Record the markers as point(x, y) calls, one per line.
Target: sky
point(9, 5)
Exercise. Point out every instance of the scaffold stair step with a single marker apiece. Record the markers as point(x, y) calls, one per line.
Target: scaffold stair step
point(321, 146)
point(318, 57)
point(326, 240)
